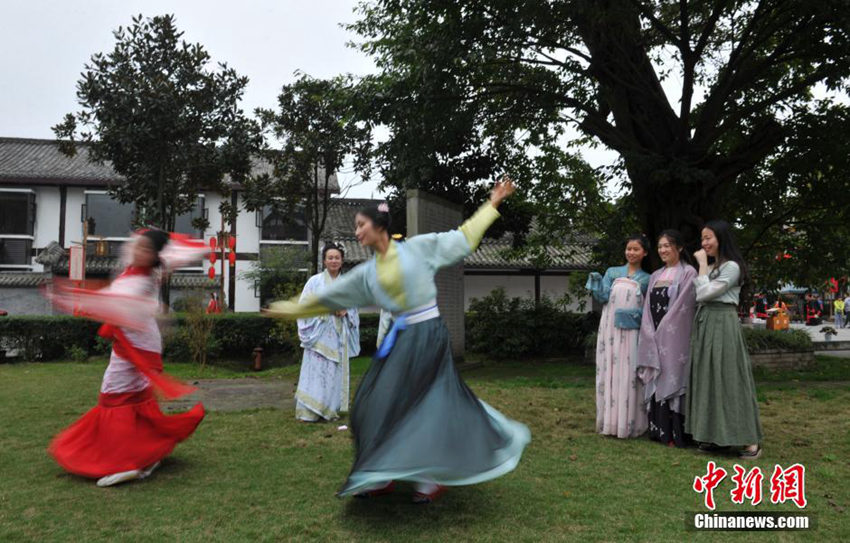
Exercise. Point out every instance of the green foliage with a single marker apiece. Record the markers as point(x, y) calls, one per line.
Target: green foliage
point(793, 205)
point(368, 333)
point(503, 327)
point(77, 353)
point(197, 330)
point(279, 273)
point(192, 336)
point(760, 339)
point(47, 337)
point(470, 89)
point(318, 132)
point(164, 120)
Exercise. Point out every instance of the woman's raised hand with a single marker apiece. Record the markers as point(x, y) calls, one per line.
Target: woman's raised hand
point(503, 189)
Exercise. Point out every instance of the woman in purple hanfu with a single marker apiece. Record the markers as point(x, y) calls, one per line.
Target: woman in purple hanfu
point(664, 344)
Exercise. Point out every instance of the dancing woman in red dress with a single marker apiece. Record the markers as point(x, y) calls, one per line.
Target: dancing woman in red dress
point(126, 435)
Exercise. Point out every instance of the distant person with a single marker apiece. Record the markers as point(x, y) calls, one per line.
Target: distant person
point(329, 342)
point(838, 306)
point(813, 311)
point(846, 307)
point(620, 397)
point(213, 307)
point(722, 410)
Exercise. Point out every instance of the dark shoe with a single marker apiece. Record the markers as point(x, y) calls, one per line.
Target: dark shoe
point(389, 489)
point(711, 448)
point(747, 454)
point(422, 499)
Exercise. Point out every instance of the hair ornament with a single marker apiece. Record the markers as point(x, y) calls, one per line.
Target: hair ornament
point(383, 207)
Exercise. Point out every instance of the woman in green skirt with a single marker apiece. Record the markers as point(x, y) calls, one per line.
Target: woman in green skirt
point(413, 418)
point(722, 410)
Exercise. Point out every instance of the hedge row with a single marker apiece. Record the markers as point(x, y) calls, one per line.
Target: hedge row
point(232, 336)
point(761, 339)
point(503, 327)
point(496, 326)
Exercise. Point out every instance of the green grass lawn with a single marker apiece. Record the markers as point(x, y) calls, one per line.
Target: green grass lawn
point(260, 475)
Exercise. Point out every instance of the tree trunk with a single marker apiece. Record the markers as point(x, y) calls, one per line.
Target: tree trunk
point(672, 198)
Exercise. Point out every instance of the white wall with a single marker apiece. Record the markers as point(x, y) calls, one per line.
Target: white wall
point(245, 299)
point(47, 212)
point(519, 286)
point(74, 200)
point(479, 286)
point(247, 231)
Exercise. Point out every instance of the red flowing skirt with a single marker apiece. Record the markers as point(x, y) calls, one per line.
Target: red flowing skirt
point(122, 433)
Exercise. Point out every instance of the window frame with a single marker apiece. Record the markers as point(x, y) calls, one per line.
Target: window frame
point(31, 222)
point(258, 222)
point(84, 213)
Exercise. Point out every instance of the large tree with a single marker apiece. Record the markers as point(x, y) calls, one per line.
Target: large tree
point(166, 120)
point(317, 134)
point(690, 94)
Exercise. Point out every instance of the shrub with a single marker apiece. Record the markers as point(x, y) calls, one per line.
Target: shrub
point(760, 339)
point(504, 327)
point(368, 333)
point(77, 354)
point(47, 337)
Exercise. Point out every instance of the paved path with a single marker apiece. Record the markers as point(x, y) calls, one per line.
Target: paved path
point(237, 395)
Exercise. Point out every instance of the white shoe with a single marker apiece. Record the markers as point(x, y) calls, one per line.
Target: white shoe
point(121, 477)
point(148, 470)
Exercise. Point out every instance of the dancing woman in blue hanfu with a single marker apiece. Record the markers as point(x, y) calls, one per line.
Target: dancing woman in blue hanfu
point(413, 417)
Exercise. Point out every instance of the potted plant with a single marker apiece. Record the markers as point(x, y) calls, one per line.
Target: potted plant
point(828, 332)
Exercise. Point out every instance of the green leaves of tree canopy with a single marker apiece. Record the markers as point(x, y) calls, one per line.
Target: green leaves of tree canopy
point(691, 94)
point(317, 131)
point(169, 124)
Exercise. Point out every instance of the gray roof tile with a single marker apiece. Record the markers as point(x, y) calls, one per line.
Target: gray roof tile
point(26, 161)
point(23, 279)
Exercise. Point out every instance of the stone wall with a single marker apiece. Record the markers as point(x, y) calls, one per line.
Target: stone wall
point(24, 301)
point(785, 360)
point(429, 213)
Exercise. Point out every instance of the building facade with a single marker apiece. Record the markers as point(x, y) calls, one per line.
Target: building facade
point(49, 202)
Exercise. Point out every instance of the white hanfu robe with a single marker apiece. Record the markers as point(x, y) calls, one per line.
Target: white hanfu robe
point(328, 342)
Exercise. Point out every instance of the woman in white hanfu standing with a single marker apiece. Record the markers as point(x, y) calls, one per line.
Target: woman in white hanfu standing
point(329, 341)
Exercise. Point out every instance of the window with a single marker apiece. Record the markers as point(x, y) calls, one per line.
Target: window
point(107, 217)
point(15, 252)
point(17, 227)
point(280, 225)
point(183, 223)
point(17, 212)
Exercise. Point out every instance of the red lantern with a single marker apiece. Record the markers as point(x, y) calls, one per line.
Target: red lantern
point(211, 272)
point(213, 257)
point(232, 258)
point(231, 242)
point(213, 243)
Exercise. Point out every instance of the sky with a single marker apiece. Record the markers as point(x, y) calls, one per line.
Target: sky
point(46, 43)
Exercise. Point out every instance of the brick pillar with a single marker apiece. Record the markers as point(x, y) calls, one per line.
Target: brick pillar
point(429, 213)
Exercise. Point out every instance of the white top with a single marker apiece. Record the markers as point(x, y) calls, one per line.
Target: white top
point(121, 375)
point(720, 286)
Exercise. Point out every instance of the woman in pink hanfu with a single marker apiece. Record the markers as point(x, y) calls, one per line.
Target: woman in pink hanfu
point(620, 408)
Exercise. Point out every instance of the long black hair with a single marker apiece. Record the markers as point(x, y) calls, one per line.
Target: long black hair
point(727, 249)
point(675, 237)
